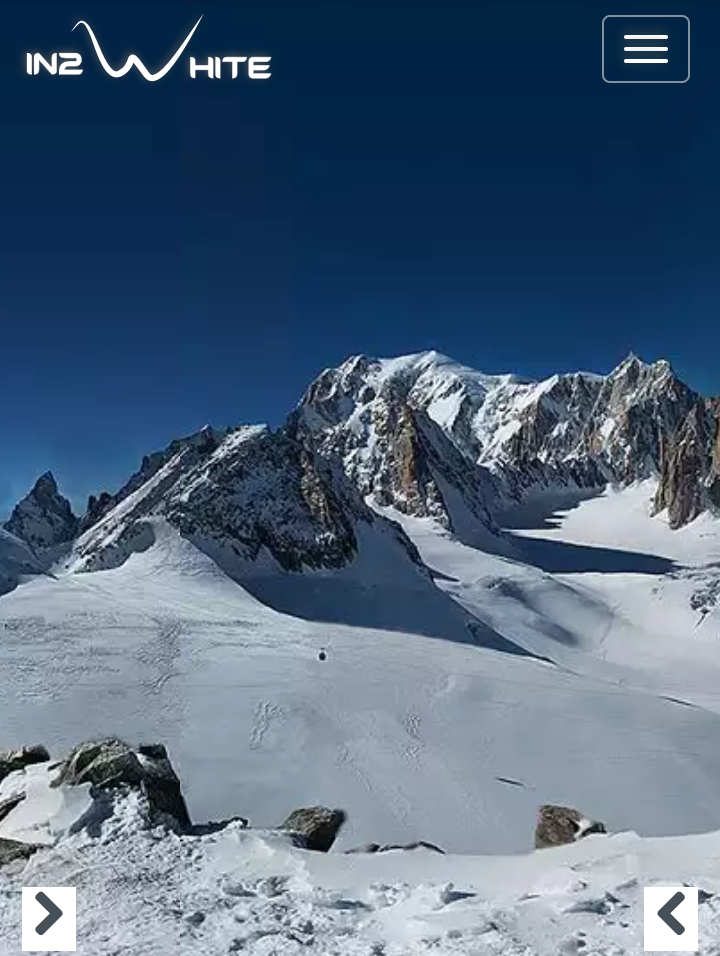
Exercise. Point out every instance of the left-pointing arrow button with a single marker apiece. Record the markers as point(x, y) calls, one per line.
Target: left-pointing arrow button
point(54, 913)
point(665, 913)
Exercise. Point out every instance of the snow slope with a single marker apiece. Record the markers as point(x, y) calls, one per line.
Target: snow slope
point(416, 736)
point(141, 890)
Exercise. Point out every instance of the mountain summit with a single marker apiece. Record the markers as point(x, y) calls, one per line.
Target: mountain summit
point(423, 433)
point(44, 518)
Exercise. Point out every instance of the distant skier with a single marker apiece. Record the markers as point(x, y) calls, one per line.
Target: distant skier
point(322, 656)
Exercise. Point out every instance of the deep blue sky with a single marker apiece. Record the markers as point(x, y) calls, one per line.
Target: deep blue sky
point(414, 175)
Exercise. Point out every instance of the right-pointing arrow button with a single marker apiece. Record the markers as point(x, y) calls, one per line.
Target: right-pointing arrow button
point(665, 913)
point(54, 913)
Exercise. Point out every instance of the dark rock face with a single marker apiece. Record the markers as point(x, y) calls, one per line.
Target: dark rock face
point(638, 407)
point(365, 848)
point(12, 850)
point(389, 447)
point(558, 825)
point(686, 463)
point(43, 519)
point(233, 497)
point(13, 760)
point(317, 827)
point(102, 763)
point(17, 560)
point(7, 806)
point(111, 763)
point(712, 481)
point(97, 507)
point(192, 449)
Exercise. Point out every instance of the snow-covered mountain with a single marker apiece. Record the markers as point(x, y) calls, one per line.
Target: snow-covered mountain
point(236, 495)
point(281, 520)
point(577, 431)
point(516, 589)
point(421, 434)
point(392, 448)
point(44, 518)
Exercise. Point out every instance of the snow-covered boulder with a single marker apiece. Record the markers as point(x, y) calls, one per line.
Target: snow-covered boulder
point(37, 813)
point(12, 760)
point(111, 764)
point(558, 825)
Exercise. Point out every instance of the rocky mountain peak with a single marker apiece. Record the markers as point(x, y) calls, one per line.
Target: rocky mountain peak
point(44, 518)
point(639, 409)
point(249, 493)
point(421, 434)
point(373, 416)
point(45, 485)
point(508, 436)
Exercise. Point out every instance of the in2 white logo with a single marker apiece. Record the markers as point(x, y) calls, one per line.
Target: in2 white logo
point(257, 66)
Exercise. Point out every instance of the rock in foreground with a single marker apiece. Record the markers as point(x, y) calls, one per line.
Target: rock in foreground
point(111, 763)
point(317, 827)
point(379, 848)
point(11, 850)
point(557, 826)
point(13, 760)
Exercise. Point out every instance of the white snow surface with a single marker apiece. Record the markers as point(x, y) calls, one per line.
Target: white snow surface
point(46, 813)
point(157, 893)
point(417, 736)
point(601, 691)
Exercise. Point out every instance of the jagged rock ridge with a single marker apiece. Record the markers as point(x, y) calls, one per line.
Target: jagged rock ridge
point(236, 495)
point(514, 437)
point(421, 434)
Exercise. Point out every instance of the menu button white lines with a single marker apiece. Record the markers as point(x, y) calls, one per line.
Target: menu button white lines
point(645, 49)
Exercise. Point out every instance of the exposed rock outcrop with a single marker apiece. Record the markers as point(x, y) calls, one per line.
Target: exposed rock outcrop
point(315, 827)
point(111, 763)
point(9, 804)
point(391, 449)
point(12, 760)
point(557, 825)
point(12, 850)
point(378, 848)
point(685, 465)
